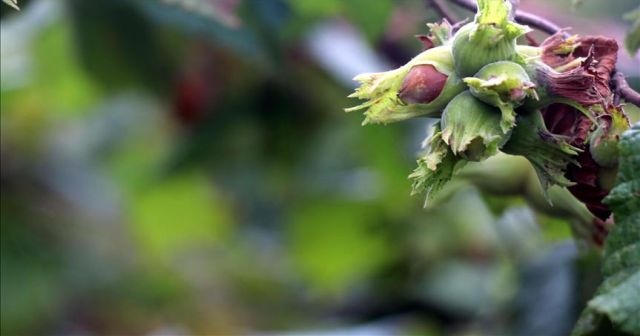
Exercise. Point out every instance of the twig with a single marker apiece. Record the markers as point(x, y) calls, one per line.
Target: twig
point(442, 10)
point(520, 16)
point(532, 40)
point(625, 91)
point(537, 22)
point(458, 25)
point(622, 88)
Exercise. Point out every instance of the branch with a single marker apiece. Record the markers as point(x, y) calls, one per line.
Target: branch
point(442, 10)
point(622, 88)
point(537, 22)
point(520, 16)
point(625, 91)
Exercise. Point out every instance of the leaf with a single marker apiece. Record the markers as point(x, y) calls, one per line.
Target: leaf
point(173, 217)
point(632, 40)
point(370, 16)
point(118, 55)
point(241, 40)
point(618, 297)
point(221, 11)
point(576, 3)
point(334, 244)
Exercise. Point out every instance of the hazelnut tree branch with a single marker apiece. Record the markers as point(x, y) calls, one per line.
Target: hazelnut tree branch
point(520, 16)
point(625, 91)
point(442, 10)
point(619, 82)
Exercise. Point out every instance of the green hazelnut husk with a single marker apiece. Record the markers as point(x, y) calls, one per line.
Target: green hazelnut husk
point(436, 166)
point(384, 91)
point(603, 142)
point(504, 85)
point(490, 38)
point(471, 128)
point(548, 153)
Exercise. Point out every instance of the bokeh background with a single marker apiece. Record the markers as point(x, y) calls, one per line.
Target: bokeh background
point(174, 167)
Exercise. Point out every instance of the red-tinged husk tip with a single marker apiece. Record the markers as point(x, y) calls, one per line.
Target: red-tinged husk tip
point(584, 65)
point(422, 85)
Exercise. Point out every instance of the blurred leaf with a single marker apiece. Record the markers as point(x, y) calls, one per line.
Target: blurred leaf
point(576, 3)
point(466, 287)
point(241, 40)
point(379, 149)
point(547, 294)
point(61, 81)
point(335, 243)
point(59, 87)
point(179, 214)
point(632, 40)
point(314, 9)
point(369, 16)
point(222, 11)
point(129, 53)
point(29, 278)
point(445, 230)
point(618, 297)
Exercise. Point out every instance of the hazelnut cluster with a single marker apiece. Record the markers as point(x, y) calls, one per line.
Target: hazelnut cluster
point(551, 104)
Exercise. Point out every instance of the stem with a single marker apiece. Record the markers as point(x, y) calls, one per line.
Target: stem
point(625, 91)
point(537, 22)
point(457, 25)
point(442, 10)
point(531, 40)
point(520, 16)
point(622, 88)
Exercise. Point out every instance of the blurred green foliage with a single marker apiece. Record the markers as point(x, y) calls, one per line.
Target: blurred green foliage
point(166, 171)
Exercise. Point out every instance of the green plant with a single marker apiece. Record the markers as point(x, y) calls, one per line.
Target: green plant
point(552, 104)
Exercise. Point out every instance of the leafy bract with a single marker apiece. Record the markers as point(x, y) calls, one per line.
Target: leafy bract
point(618, 297)
point(435, 168)
point(548, 153)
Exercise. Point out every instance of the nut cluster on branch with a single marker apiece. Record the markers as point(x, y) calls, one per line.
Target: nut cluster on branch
point(552, 104)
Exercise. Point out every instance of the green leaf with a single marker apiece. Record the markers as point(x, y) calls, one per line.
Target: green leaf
point(175, 216)
point(334, 245)
point(370, 16)
point(632, 41)
point(618, 298)
point(218, 11)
